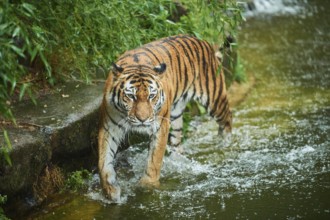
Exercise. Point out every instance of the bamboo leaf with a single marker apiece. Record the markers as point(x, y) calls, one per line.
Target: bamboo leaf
point(17, 50)
point(7, 148)
point(23, 88)
point(16, 32)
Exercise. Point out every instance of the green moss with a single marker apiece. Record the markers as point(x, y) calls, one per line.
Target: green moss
point(78, 180)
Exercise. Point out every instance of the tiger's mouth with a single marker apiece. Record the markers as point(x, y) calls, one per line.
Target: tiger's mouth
point(137, 123)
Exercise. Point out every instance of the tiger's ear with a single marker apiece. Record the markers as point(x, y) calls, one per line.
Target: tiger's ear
point(160, 68)
point(116, 69)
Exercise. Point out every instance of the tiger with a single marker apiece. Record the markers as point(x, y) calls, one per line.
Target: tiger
point(147, 90)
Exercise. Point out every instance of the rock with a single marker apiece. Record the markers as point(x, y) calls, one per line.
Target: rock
point(29, 154)
point(58, 128)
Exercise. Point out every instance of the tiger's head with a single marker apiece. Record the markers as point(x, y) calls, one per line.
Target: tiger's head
point(137, 92)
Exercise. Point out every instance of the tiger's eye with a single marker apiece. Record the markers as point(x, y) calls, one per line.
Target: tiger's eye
point(130, 96)
point(151, 96)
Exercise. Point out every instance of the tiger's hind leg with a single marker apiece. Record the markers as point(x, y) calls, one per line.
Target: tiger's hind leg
point(223, 116)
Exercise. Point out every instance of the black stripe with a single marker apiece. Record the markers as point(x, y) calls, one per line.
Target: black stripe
point(216, 102)
point(116, 142)
point(123, 57)
point(211, 66)
point(171, 135)
point(114, 94)
point(130, 76)
point(187, 41)
point(192, 40)
point(122, 84)
point(184, 47)
point(153, 54)
point(179, 73)
point(105, 128)
point(185, 95)
point(140, 66)
point(176, 130)
point(113, 121)
point(165, 49)
point(185, 89)
point(149, 81)
point(145, 75)
point(173, 118)
point(136, 58)
point(176, 145)
point(220, 115)
point(194, 93)
point(205, 72)
point(224, 109)
point(214, 77)
point(112, 151)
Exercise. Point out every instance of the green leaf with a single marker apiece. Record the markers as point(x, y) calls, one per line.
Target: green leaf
point(23, 88)
point(201, 109)
point(17, 50)
point(16, 32)
point(29, 8)
point(33, 53)
point(7, 148)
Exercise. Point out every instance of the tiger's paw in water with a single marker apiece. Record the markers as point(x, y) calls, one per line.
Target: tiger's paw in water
point(146, 181)
point(112, 192)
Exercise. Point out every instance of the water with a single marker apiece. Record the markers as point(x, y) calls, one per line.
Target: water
point(276, 164)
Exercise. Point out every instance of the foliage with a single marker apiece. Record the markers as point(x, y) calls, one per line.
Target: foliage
point(3, 200)
point(78, 180)
point(239, 75)
point(6, 148)
point(43, 42)
point(213, 20)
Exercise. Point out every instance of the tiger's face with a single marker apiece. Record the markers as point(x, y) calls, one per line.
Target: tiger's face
point(139, 95)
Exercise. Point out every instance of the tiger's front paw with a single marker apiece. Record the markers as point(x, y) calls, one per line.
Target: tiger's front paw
point(111, 191)
point(224, 130)
point(146, 181)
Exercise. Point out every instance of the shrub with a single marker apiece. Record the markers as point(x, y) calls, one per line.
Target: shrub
point(43, 42)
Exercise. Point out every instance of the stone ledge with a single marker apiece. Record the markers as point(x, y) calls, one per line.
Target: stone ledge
point(64, 123)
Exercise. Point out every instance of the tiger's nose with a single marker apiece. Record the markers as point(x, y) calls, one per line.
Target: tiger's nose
point(141, 118)
point(142, 111)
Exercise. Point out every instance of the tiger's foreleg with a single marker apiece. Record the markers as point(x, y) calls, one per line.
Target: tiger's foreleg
point(175, 135)
point(109, 140)
point(156, 153)
point(177, 125)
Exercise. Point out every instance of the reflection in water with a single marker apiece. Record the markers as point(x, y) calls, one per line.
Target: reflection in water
point(276, 163)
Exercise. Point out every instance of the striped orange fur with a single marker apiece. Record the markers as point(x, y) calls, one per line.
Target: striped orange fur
point(147, 91)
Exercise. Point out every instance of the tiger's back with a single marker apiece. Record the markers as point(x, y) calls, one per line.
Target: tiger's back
point(148, 89)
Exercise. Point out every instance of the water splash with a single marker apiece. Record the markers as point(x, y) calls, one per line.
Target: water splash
point(274, 7)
